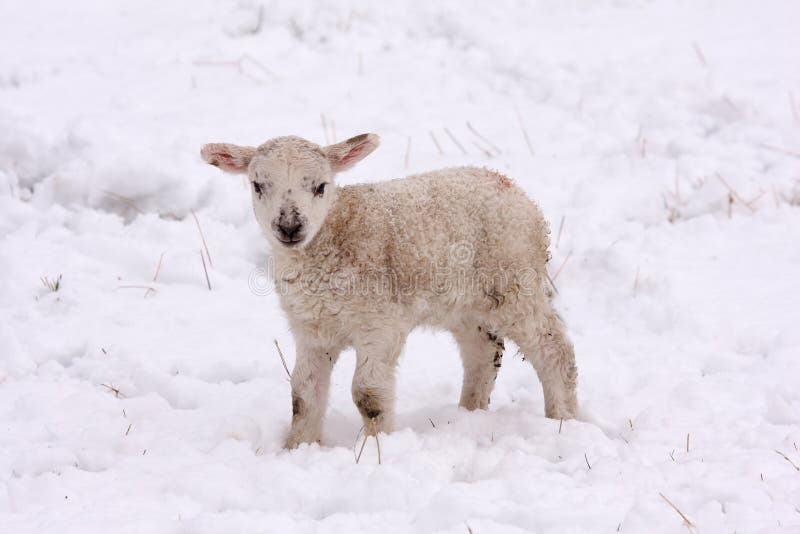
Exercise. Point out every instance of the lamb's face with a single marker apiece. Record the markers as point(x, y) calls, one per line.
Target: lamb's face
point(291, 181)
point(292, 187)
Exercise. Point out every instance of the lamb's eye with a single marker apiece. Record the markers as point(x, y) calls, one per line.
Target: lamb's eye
point(258, 188)
point(320, 190)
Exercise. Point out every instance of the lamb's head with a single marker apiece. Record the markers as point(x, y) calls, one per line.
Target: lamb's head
point(291, 180)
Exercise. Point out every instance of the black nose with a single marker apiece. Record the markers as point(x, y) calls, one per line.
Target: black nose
point(290, 229)
point(289, 226)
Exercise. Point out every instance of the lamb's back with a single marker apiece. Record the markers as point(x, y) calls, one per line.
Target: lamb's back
point(459, 213)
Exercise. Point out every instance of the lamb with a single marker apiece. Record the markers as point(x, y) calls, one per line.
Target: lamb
point(461, 249)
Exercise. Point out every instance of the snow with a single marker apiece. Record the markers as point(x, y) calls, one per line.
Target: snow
point(129, 410)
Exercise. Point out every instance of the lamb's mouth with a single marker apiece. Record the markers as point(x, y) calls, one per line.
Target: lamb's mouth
point(289, 231)
point(290, 242)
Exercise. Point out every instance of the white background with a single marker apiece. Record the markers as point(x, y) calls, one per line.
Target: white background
point(127, 410)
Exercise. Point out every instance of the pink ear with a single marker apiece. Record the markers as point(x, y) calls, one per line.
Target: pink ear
point(229, 158)
point(344, 155)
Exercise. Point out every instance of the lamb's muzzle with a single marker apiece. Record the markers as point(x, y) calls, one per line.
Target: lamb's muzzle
point(462, 249)
point(289, 227)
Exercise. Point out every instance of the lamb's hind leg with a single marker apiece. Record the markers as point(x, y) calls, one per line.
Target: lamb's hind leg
point(544, 342)
point(481, 355)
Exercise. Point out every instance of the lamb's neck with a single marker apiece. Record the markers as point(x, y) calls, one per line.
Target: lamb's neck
point(291, 262)
point(286, 261)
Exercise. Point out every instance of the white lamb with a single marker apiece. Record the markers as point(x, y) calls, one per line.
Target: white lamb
point(361, 266)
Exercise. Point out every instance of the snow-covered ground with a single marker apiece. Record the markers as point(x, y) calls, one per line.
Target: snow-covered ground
point(125, 409)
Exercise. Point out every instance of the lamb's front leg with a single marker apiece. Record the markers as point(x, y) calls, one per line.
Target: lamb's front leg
point(374, 379)
point(311, 380)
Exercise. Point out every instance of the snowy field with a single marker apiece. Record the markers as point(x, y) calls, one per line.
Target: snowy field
point(663, 144)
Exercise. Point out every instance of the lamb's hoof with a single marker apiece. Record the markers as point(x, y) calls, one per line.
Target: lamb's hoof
point(292, 442)
point(561, 413)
